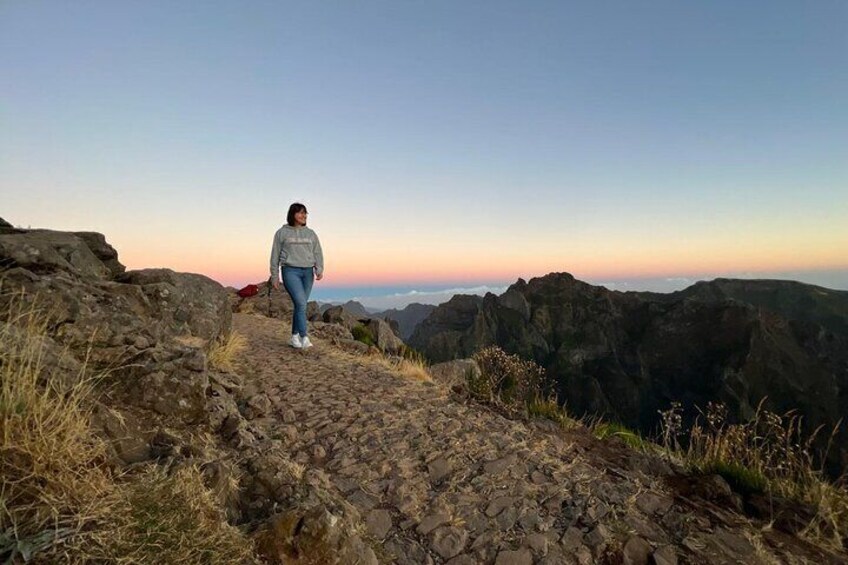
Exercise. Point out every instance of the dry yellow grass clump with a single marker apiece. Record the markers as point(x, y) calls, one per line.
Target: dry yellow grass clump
point(409, 364)
point(769, 454)
point(225, 353)
point(61, 502)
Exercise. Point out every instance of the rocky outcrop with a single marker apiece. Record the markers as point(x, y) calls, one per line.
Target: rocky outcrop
point(384, 338)
point(628, 355)
point(148, 329)
point(408, 318)
point(338, 315)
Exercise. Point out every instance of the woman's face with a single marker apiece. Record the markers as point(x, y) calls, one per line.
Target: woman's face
point(300, 218)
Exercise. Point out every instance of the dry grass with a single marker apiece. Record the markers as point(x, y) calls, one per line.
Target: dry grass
point(224, 355)
point(165, 518)
point(409, 368)
point(61, 502)
point(768, 454)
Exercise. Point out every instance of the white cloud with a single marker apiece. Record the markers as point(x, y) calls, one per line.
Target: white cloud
point(403, 299)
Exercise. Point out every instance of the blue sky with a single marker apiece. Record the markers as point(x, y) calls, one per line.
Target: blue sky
point(435, 142)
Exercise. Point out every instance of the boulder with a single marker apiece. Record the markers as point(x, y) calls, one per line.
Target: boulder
point(384, 337)
point(44, 251)
point(170, 380)
point(102, 250)
point(338, 315)
point(454, 374)
point(187, 303)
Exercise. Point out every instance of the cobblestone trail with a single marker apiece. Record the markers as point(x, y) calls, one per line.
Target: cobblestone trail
point(440, 481)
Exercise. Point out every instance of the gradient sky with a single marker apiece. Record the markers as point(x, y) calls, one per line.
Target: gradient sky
point(437, 142)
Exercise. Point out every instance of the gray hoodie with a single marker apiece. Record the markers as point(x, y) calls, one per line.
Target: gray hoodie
point(296, 247)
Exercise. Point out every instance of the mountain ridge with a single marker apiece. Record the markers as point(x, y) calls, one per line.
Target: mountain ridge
point(627, 355)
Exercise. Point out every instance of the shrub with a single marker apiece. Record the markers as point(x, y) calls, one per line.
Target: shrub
point(361, 333)
point(507, 379)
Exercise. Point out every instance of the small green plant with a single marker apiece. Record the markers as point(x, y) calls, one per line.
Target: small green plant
point(361, 333)
point(549, 409)
point(603, 430)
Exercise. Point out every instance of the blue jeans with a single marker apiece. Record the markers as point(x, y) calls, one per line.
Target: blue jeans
point(298, 282)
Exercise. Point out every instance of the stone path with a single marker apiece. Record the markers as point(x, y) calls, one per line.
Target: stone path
point(440, 481)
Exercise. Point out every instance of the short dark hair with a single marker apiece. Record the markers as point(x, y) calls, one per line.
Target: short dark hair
point(294, 209)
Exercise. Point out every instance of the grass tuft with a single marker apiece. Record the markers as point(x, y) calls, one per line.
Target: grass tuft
point(550, 409)
point(770, 454)
point(224, 354)
point(603, 430)
point(361, 333)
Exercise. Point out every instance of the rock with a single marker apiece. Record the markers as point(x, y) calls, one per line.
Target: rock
point(184, 302)
point(455, 374)
point(220, 405)
point(129, 442)
point(438, 469)
point(636, 551)
point(449, 541)
point(598, 536)
point(519, 557)
point(497, 505)
point(408, 318)
point(572, 539)
point(500, 465)
point(665, 556)
point(354, 347)
point(538, 543)
point(256, 406)
point(354, 550)
point(331, 332)
point(339, 316)
point(107, 255)
point(462, 560)
point(384, 337)
point(45, 252)
point(296, 533)
point(378, 522)
point(171, 382)
point(431, 522)
point(653, 503)
point(57, 367)
point(514, 300)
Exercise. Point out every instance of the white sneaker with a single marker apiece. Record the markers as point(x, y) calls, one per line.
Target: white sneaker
point(304, 342)
point(295, 341)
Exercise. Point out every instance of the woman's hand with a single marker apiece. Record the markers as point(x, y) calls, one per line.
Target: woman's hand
point(276, 284)
point(319, 277)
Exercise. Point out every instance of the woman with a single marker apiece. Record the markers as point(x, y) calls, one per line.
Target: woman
point(297, 250)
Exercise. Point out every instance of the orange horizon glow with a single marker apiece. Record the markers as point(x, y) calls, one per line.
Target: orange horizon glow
point(359, 275)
